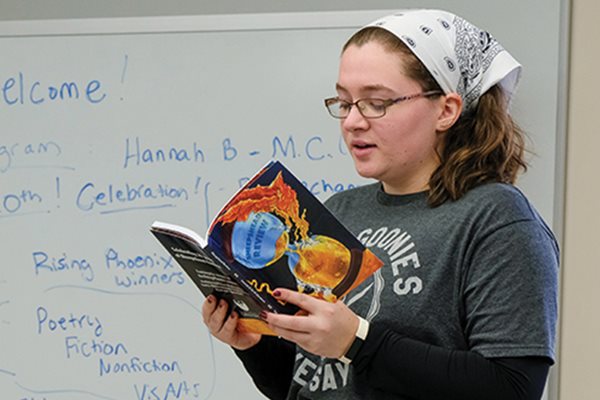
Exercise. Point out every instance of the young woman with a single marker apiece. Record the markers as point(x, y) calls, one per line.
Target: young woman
point(466, 305)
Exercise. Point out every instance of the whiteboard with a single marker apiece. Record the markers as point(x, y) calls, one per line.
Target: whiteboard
point(110, 124)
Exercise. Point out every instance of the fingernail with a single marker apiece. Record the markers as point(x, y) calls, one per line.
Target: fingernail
point(263, 315)
point(210, 299)
point(276, 293)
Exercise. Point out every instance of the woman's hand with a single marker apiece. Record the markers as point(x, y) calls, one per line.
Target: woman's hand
point(322, 328)
point(214, 312)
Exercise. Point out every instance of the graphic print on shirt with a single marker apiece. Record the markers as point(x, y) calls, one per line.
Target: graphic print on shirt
point(399, 277)
point(399, 254)
point(320, 374)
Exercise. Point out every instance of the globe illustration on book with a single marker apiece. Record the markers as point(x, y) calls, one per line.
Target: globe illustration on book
point(259, 241)
point(319, 263)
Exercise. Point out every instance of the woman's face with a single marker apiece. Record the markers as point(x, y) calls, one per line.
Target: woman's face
point(398, 149)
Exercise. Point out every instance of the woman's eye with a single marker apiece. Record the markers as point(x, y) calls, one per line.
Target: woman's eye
point(375, 104)
point(343, 105)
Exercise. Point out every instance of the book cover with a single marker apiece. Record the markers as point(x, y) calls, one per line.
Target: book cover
point(272, 233)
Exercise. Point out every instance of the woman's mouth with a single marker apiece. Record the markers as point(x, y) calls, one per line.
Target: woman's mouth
point(362, 149)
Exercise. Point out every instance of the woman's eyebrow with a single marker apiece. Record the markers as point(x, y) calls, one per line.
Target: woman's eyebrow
point(339, 87)
point(366, 88)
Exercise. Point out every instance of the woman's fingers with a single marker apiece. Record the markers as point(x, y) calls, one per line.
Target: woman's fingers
point(224, 326)
point(321, 327)
point(304, 301)
point(214, 312)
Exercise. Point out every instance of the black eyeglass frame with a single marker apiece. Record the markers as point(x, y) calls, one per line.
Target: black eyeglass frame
point(385, 103)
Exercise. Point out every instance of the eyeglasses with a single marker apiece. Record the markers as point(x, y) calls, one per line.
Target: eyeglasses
point(369, 108)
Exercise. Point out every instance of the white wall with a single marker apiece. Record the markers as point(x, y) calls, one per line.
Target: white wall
point(580, 324)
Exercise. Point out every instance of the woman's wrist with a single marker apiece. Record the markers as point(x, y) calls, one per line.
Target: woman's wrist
point(360, 334)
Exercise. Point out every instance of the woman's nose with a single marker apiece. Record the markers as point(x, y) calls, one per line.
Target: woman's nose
point(354, 120)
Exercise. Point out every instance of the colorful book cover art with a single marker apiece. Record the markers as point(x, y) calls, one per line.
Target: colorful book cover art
point(209, 275)
point(283, 236)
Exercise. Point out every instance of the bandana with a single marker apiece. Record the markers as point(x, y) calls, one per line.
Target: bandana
point(461, 57)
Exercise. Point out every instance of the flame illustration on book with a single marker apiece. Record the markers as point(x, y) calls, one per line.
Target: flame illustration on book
point(268, 224)
point(278, 198)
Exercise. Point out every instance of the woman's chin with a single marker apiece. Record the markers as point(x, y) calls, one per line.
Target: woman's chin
point(366, 171)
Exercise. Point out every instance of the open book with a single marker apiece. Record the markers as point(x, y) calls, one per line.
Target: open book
point(273, 233)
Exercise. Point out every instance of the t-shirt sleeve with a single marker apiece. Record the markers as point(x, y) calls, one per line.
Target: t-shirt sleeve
point(509, 291)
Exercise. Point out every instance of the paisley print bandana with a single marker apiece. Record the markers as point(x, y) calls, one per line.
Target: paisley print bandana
point(461, 57)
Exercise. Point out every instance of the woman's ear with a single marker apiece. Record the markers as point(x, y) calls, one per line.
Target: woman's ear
point(451, 110)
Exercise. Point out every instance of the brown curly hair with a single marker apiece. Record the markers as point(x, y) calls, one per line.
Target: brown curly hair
point(484, 145)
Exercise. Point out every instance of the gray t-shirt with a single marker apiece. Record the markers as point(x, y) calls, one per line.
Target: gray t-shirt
point(476, 274)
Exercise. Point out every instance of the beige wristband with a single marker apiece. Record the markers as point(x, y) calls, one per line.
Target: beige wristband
point(359, 338)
